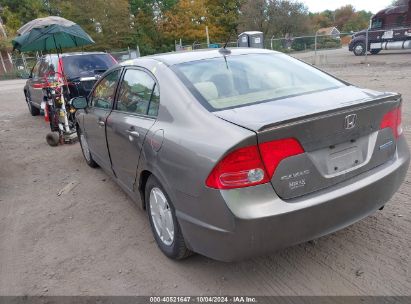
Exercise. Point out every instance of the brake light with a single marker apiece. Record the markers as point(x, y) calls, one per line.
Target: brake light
point(253, 165)
point(393, 120)
point(241, 168)
point(273, 152)
point(40, 85)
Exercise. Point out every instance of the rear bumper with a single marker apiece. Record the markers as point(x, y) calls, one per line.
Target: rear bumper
point(261, 222)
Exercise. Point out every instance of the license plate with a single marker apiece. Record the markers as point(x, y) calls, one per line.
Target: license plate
point(344, 159)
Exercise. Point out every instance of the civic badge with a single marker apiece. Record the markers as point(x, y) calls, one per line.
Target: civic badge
point(350, 121)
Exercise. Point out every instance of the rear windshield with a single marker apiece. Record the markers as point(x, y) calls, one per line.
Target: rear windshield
point(86, 65)
point(235, 81)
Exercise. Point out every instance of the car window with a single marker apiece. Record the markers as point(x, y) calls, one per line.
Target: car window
point(43, 68)
point(234, 81)
point(137, 92)
point(103, 94)
point(376, 23)
point(35, 71)
point(86, 65)
point(52, 62)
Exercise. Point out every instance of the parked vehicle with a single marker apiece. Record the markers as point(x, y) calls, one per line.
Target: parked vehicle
point(236, 153)
point(75, 66)
point(390, 30)
point(54, 81)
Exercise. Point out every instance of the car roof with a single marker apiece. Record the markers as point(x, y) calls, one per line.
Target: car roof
point(76, 54)
point(173, 58)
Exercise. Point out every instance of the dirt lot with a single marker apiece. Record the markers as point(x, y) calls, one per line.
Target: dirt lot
point(94, 241)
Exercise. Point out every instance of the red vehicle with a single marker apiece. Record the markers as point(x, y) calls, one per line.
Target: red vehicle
point(390, 29)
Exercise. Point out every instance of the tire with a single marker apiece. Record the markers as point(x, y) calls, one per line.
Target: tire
point(32, 109)
point(359, 49)
point(375, 51)
point(84, 148)
point(53, 139)
point(172, 244)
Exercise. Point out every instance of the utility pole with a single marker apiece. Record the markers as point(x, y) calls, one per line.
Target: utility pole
point(208, 37)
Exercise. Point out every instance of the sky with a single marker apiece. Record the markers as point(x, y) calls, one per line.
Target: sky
point(369, 5)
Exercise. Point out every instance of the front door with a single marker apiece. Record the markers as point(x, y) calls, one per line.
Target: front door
point(133, 115)
point(100, 106)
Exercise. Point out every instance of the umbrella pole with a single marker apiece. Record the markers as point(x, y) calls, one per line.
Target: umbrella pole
point(66, 125)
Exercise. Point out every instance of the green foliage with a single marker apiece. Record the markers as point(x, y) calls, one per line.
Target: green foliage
point(155, 25)
point(16, 13)
point(274, 17)
point(224, 13)
point(5, 44)
point(328, 43)
point(345, 19)
point(303, 44)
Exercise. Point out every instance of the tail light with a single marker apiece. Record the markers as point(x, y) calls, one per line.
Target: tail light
point(273, 152)
point(393, 120)
point(253, 165)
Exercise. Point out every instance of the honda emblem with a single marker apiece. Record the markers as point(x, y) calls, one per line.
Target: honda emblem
point(350, 121)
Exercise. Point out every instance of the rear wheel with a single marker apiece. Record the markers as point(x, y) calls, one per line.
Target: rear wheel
point(359, 49)
point(53, 139)
point(32, 109)
point(375, 51)
point(163, 221)
point(85, 149)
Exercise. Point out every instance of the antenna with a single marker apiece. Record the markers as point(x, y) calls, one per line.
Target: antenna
point(224, 50)
point(229, 37)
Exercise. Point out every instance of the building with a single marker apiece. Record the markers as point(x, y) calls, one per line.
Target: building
point(329, 31)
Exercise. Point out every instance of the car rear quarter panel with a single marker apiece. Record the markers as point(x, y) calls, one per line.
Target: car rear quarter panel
point(193, 142)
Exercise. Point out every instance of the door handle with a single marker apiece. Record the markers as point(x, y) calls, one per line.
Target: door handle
point(133, 133)
point(101, 123)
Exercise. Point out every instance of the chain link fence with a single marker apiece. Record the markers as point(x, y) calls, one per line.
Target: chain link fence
point(319, 49)
point(19, 65)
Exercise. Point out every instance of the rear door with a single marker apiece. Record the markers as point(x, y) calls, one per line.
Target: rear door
point(100, 105)
point(134, 113)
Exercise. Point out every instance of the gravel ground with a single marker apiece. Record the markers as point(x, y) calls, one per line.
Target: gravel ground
point(93, 240)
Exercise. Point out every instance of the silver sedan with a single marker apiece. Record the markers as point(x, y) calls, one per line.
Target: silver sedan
point(236, 153)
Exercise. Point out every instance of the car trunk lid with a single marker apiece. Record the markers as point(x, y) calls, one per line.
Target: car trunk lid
point(338, 129)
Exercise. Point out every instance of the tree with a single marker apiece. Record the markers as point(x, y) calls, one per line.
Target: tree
point(343, 14)
point(321, 20)
point(360, 20)
point(107, 22)
point(16, 13)
point(346, 19)
point(147, 18)
point(274, 17)
point(224, 13)
point(188, 20)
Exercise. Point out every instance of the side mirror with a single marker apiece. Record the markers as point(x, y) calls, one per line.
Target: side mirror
point(79, 103)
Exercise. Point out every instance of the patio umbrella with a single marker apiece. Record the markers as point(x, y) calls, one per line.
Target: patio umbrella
point(45, 34)
point(43, 22)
